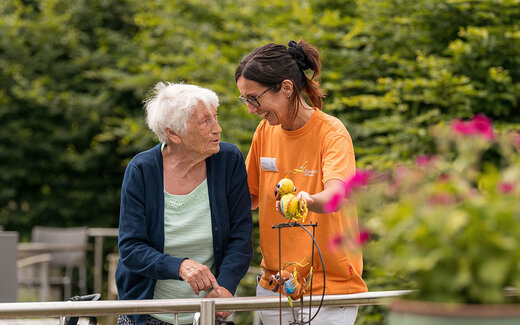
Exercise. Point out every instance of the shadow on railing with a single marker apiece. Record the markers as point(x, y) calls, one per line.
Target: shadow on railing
point(207, 307)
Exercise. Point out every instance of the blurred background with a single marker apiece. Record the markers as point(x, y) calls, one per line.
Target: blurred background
point(73, 75)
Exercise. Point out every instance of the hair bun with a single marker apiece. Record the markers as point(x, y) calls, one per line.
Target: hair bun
point(298, 55)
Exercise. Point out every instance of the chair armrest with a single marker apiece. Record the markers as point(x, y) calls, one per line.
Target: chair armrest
point(35, 259)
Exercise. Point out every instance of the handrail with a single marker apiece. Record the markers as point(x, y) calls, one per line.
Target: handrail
point(169, 306)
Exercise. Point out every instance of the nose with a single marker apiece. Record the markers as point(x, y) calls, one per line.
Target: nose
point(252, 110)
point(217, 129)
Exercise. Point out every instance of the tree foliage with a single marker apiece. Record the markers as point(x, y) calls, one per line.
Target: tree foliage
point(410, 64)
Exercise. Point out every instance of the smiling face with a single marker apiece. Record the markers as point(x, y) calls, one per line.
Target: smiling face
point(202, 135)
point(274, 105)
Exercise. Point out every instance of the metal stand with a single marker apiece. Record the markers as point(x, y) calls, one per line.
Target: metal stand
point(314, 244)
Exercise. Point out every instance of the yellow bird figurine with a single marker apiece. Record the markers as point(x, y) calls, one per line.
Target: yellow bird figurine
point(293, 209)
point(284, 186)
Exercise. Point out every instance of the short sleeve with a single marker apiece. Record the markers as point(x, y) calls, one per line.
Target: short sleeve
point(338, 160)
point(252, 166)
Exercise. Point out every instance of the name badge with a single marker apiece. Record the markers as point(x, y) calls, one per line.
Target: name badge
point(268, 164)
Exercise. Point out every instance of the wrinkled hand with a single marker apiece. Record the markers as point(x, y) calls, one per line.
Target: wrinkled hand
point(222, 293)
point(198, 276)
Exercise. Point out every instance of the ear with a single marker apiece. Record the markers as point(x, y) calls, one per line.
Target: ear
point(174, 137)
point(287, 87)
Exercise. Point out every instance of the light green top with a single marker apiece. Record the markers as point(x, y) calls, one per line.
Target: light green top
point(187, 233)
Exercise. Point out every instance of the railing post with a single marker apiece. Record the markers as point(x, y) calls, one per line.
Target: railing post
point(98, 263)
point(45, 285)
point(207, 312)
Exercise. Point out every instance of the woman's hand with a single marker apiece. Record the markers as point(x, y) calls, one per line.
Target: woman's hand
point(317, 201)
point(198, 276)
point(222, 293)
point(306, 196)
point(301, 195)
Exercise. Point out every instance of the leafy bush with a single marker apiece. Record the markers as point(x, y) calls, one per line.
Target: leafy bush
point(451, 222)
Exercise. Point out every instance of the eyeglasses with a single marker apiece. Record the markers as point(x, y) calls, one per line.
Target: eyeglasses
point(254, 101)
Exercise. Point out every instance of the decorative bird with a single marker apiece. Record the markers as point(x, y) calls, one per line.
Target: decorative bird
point(284, 186)
point(293, 209)
point(294, 283)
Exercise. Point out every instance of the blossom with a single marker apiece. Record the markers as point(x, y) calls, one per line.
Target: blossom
point(505, 187)
point(363, 237)
point(334, 203)
point(484, 126)
point(423, 160)
point(360, 179)
point(479, 125)
point(335, 242)
point(461, 127)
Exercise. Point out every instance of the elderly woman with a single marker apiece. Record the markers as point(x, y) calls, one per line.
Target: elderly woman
point(185, 221)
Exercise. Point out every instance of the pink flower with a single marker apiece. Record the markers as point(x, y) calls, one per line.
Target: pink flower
point(478, 125)
point(363, 237)
point(518, 139)
point(461, 127)
point(360, 179)
point(505, 187)
point(334, 242)
point(423, 161)
point(334, 202)
point(483, 126)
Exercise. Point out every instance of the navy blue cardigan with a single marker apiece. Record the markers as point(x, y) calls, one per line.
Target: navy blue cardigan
point(141, 224)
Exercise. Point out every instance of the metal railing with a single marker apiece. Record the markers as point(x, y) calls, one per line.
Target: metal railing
point(207, 307)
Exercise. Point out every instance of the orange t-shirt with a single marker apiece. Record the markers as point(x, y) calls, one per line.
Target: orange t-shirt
point(324, 146)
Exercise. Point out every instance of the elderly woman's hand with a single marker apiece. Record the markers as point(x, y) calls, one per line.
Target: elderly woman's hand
point(198, 276)
point(221, 293)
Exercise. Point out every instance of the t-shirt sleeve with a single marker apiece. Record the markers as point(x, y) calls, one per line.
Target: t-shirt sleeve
point(339, 161)
point(252, 166)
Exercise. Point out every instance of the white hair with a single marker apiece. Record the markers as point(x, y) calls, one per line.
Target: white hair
point(171, 105)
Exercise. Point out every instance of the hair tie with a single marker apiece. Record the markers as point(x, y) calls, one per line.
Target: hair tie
point(298, 55)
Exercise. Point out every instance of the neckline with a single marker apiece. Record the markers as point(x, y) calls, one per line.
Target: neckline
point(203, 183)
point(303, 129)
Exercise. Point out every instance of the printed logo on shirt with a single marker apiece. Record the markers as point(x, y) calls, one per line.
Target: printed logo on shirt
point(311, 173)
point(268, 164)
point(307, 172)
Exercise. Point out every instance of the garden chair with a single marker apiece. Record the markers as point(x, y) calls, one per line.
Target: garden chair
point(64, 261)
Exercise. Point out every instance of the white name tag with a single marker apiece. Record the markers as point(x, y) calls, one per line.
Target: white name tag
point(268, 164)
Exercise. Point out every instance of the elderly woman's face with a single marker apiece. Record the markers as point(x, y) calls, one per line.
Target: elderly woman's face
point(203, 132)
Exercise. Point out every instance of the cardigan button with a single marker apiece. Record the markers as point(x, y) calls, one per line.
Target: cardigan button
point(216, 229)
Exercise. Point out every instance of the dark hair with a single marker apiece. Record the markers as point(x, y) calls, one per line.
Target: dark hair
point(273, 63)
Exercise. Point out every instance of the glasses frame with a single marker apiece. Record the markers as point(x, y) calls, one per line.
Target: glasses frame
point(254, 101)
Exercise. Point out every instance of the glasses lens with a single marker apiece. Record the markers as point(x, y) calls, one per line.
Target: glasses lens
point(253, 102)
point(243, 100)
